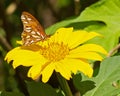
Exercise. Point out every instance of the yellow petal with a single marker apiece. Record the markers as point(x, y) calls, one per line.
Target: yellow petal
point(63, 69)
point(86, 55)
point(89, 48)
point(74, 65)
point(35, 71)
point(24, 57)
point(19, 42)
point(47, 72)
point(62, 35)
point(75, 38)
point(89, 36)
point(80, 37)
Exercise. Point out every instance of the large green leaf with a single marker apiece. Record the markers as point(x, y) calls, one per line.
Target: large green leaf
point(40, 89)
point(102, 17)
point(108, 12)
point(106, 83)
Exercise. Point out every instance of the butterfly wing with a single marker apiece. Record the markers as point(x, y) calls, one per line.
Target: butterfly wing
point(33, 31)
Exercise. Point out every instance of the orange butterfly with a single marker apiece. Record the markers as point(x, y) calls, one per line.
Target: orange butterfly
point(33, 31)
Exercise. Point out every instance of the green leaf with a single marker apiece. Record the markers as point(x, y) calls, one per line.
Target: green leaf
point(102, 17)
point(106, 83)
point(53, 28)
point(4, 93)
point(106, 12)
point(41, 89)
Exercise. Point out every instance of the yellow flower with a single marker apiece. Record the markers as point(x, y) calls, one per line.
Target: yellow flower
point(64, 52)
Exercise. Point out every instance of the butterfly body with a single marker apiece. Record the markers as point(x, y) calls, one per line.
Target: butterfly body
point(33, 31)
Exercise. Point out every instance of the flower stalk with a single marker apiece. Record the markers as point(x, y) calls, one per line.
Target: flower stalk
point(64, 85)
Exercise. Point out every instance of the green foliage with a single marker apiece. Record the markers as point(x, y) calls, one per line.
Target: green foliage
point(4, 93)
point(35, 88)
point(102, 17)
point(106, 83)
point(106, 12)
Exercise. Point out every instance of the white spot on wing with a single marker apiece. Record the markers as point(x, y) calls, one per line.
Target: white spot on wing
point(28, 27)
point(23, 17)
point(38, 33)
point(35, 36)
point(25, 22)
point(33, 32)
point(29, 19)
point(42, 36)
point(27, 36)
point(31, 41)
point(28, 30)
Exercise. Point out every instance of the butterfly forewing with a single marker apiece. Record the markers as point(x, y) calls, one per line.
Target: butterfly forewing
point(33, 31)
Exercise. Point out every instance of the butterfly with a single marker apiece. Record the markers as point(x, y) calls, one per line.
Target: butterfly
point(32, 30)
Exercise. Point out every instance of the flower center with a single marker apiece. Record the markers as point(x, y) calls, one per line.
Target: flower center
point(55, 51)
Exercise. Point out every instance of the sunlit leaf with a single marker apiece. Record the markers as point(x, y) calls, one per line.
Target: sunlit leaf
point(102, 17)
point(106, 83)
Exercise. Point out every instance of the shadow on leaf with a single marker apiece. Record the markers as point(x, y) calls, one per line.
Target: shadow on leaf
point(85, 86)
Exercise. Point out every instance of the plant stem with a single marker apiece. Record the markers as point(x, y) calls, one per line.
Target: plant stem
point(113, 50)
point(77, 7)
point(64, 85)
point(5, 44)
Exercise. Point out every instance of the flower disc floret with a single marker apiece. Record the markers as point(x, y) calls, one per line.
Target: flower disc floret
point(55, 51)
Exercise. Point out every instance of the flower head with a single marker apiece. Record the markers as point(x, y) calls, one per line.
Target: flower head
point(64, 52)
